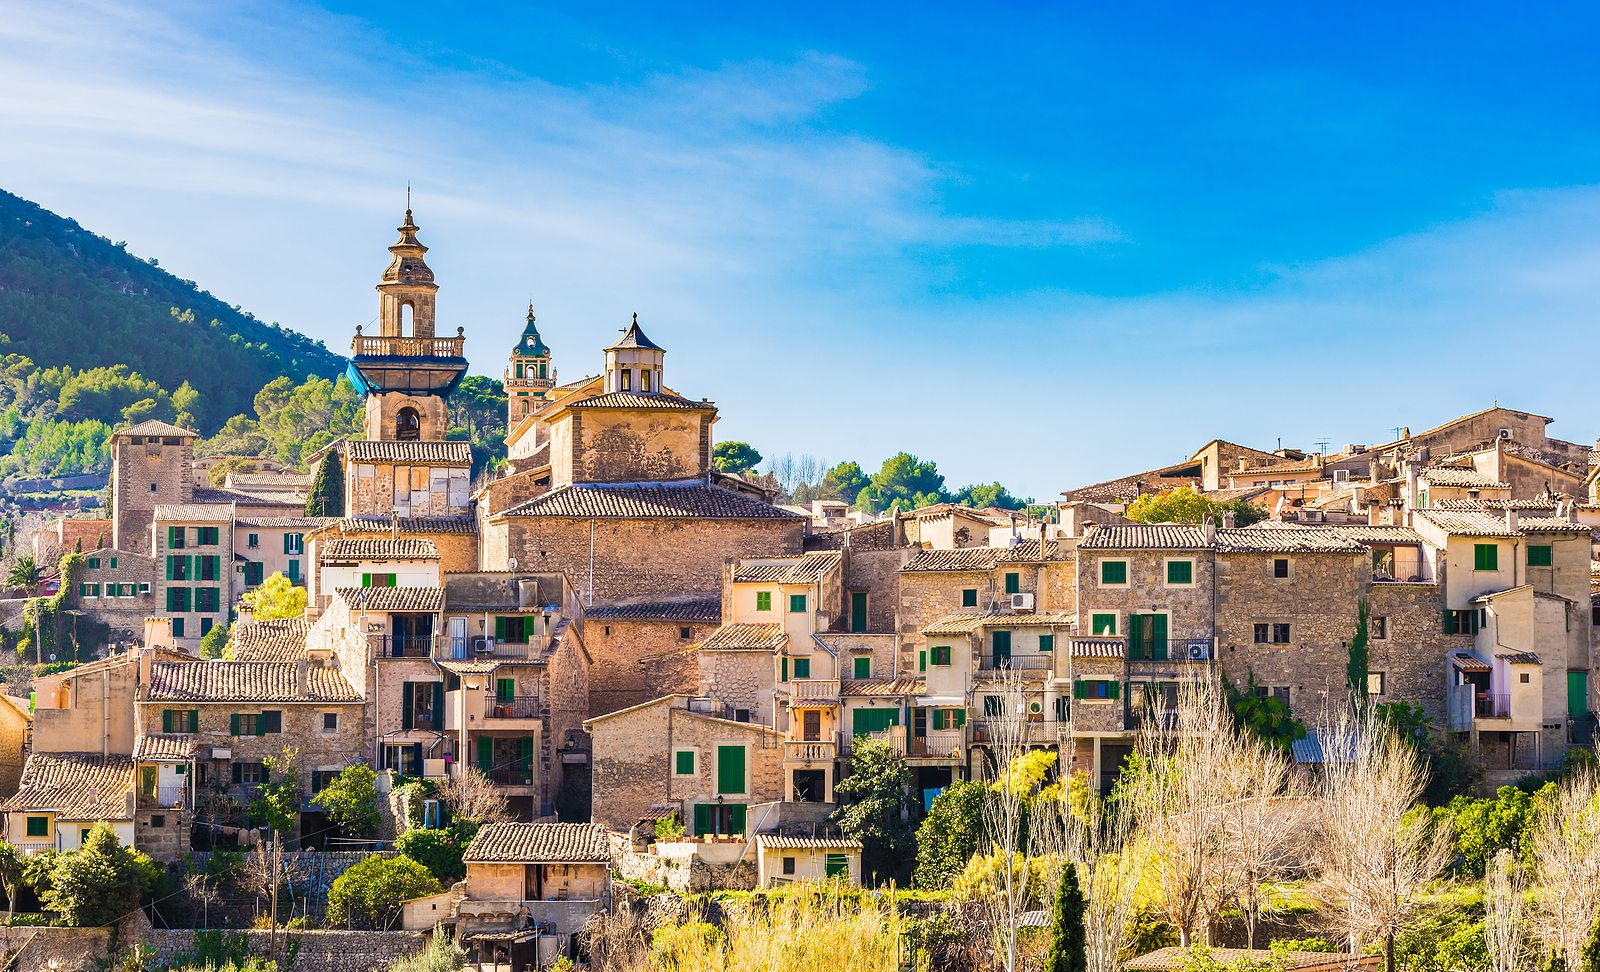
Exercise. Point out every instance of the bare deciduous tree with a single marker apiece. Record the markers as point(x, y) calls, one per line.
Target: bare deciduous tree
point(1566, 853)
point(1373, 854)
point(1260, 827)
point(1503, 920)
point(470, 794)
point(1007, 733)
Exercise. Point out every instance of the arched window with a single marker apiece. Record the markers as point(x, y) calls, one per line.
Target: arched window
point(407, 424)
point(644, 380)
point(407, 320)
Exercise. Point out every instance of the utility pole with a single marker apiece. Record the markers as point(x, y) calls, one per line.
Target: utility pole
point(277, 869)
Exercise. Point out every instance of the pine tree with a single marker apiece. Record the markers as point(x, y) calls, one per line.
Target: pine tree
point(1068, 942)
point(1589, 960)
point(327, 487)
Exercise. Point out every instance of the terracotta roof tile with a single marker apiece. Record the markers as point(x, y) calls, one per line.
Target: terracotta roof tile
point(746, 637)
point(155, 427)
point(972, 560)
point(1370, 534)
point(275, 640)
point(1286, 541)
point(1550, 524)
point(76, 786)
point(807, 570)
point(783, 842)
point(164, 748)
point(1467, 523)
point(1152, 536)
point(403, 548)
point(246, 681)
point(1098, 647)
point(1468, 662)
point(393, 598)
point(1520, 658)
point(1462, 476)
point(882, 687)
point(194, 511)
point(409, 452)
point(954, 624)
point(690, 499)
point(285, 522)
point(408, 524)
point(664, 400)
point(539, 843)
point(1173, 959)
point(704, 608)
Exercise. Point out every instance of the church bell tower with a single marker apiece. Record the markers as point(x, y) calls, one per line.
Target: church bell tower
point(529, 377)
point(406, 371)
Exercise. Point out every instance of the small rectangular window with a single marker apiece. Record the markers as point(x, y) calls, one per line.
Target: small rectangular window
point(330, 721)
point(1180, 572)
point(1103, 624)
point(941, 654)
point(969, 597)
point(1280, 634)
point(788, 865)
point(38, 827)
point(1013, 582)
point(763, 600)
point(802, 668)
point(1261, 633)
point(1280, 567)
point(1378, 627)
point(1047, 642)
point(863, 667)
point(683, 762)
point(1375, 683)
point(1485, 556)
point(1113, 571)
point(1540, 555)
point(797, 604)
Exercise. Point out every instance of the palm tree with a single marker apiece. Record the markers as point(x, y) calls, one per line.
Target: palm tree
point(24, 574)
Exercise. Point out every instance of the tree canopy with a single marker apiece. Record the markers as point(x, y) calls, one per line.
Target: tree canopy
point(100, 883)
point(370, 892)
point(873, 800)
point(276, 597)
point(1184, 505)
point(735, 457)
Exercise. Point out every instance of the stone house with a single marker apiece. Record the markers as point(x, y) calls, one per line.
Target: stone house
point(63, 795)
point(784, 860)
point(267, 545)
point(193, 546)
point(151, 465)
point(687, 756)
point(116, 588)
point(644, 647)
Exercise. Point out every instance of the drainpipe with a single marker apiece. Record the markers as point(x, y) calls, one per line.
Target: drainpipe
point(105, 712)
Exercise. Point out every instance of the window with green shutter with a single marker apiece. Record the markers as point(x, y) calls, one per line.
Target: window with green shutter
point(485, 753)
point(969, 597)
point(38, 827)
point(922, 660)
point(113, 563)
point(802, 668)
point(1113, 571)
point(863, 667)
point(178, 599)
point(206, 536)
point(763, 600)
point(783, 669)
point(1013, 582)
point(254, 573)
point(1485, 556)
point(941, 654)
point(293, 543)
point(177, 627)
point(730, 770)
point(175, 537)
point(683, 762)
point(991, 706)
point(797, 604)
point(505, 689)
point(836, 865)
point(294, 572)
point(1540, 555)
point(1103, 624)
point(1180, 572)
point(866, 721)
point(1047, 642)
point(94, 562)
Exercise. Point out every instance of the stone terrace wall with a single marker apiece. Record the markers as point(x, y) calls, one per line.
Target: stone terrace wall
point(318, 951)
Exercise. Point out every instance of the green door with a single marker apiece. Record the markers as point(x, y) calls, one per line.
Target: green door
point(702, 819)
point(1577, 694)
point(1158, 637)
point(858, 611)
point(1002, 647)
point(1147, 637)
point(485, 753)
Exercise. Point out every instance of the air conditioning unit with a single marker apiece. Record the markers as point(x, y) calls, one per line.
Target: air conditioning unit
point(1197, 650)
point(1022, 602)
point(1504, 433)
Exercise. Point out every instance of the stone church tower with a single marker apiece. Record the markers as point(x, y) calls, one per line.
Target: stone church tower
point(404, 466)
point(406, 371)
point(530, 377)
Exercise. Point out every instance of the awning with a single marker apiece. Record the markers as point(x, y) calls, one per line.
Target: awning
point(944, 700)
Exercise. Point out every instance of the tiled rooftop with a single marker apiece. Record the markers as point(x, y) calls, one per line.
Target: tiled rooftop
point(282, 639)
point(690, 499)
point(246, 681)
point(955, 624)
point(1325, 540)
point(746, 637)
point(703, 608)
point(403, 548)
point(76, 786)
point(1463, 523)
point(663, 400)
point(393, 598)
point(1152, 536)
point(539, 843)
point(807, 570)
point(408, 524)
point(416, 452)
point(1461, 476)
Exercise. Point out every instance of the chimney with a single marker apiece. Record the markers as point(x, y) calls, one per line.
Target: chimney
point(1572, 509)
point(1208, 527)
point(1373, 518)
point(300, 678)
point(1227, 520)
point(1511, 519)
point(1372, 471)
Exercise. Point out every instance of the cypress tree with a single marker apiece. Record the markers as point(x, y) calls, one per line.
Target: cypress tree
point(1068, 942)
point(327, 487)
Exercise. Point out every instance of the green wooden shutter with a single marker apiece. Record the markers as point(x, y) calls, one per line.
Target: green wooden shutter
point(737, 817)
point(863, 667)
point(166, 720)
point(683, 762)
point(485, 753)
point(702, 819)
point(288, 543)
point(836, 865)
point(730, 769)
point(238, 773)
point(525, 753)
point(922, 660)
point(802, 668)
point(1013, 583)
point(273, 721)
point(858, 611)
point(1158, 637)
point(194, 721)
point(1047, 642)
point(505, 689)
point(500, 629)
point(407, 700)
point(938, 719)
point(233, 724)
point(1114, 690)
point(1577, 694)
point(1079, 689)
point(366, 580)
point(1002, 646)
point(438, 705)
point(783, 667)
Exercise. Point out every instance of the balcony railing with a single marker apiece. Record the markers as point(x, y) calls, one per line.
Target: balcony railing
point(513, 775)
point(938, 744)
point(1043, 731)
point(1032, 662)
point(810, 750)
point(894, 736)
point(1491, 706)
point(163, 797)
point(814, 690)
point(401, 646)
point(407, 347)
point(463, 649)
point(530, 383)
point(517, 707)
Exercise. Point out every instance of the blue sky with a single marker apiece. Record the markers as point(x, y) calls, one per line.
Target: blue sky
point(1043, 245)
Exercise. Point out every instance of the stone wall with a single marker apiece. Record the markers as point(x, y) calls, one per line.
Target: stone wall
point(639, 660)
point(626, 445)
point(316, 951)
point(1188, 608)
point(1319, 603)
point(121, 613)
point(1412, 653)
point(927, 596)
point(143, 476)
point(638, 557)
point(742, 679)
point(878, 573)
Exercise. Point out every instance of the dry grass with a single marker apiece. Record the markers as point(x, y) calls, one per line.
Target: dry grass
point(802, 931)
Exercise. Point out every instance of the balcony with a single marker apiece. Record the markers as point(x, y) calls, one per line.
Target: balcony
point(938, 744)
point(407, 347)
point(816, 691)
point(1042, 661)
point(894, 736)
point(163, 798)
point(1045, 732)
point(513, 775)
point(401, 646)
point(497, 712)
point(810, 750)
point(529, 384)
point(466, 649)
